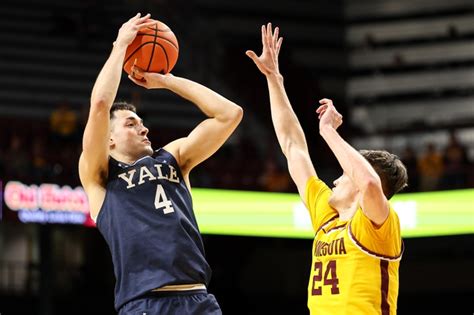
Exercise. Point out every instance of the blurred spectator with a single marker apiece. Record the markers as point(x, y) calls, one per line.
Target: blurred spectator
point(430, 168)
point(455, 164)
point(273, 178)
point(40, 167)
point(16, 162)
point(63, 123)
point(409, 159)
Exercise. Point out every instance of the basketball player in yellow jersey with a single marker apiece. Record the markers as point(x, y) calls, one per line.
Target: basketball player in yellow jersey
point(357, 244)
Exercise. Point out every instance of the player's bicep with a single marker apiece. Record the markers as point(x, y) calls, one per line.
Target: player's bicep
point(205, 140)
point(374, 204)
point(301, 169)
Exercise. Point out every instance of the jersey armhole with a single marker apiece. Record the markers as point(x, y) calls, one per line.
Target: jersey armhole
point(370, 236)
point(372, 253)
point(178, 168)
point(320, 212)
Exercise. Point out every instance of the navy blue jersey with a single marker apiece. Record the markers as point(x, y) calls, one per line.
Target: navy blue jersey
point(147, 220)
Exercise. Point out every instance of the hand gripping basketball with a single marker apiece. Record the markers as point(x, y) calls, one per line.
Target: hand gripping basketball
point(154, 49)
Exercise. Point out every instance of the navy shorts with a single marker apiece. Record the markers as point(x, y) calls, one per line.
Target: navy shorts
point(194, 302)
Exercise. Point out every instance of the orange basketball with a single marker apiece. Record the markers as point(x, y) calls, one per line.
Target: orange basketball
point(155, 49)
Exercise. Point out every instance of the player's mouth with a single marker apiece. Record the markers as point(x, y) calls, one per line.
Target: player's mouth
point(146, 141)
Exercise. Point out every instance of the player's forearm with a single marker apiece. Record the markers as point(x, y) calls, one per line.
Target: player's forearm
point(351, 161)
point(209, 102)
point(286, 124)
point(108, 80)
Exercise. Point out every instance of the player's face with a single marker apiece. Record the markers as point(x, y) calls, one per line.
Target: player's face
point(343, 193)
point(128, 135)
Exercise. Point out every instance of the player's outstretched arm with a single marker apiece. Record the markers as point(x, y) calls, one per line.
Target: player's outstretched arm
point(209, 135)
point(287, 127)
point(373, 201)
point(95, 142)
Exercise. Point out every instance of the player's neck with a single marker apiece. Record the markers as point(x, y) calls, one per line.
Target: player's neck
point(126, 159)
point(346, 211)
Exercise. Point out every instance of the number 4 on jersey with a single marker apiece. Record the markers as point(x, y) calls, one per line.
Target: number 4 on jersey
point(161, 201)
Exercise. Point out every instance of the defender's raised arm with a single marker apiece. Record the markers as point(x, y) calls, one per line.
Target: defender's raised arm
point(287, 127)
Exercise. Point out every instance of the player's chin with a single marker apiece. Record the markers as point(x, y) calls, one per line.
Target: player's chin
point(148, 149)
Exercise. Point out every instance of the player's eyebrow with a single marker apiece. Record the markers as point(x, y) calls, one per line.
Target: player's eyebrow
point(133, 119)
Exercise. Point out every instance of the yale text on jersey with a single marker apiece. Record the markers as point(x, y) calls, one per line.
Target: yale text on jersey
point(138, 176)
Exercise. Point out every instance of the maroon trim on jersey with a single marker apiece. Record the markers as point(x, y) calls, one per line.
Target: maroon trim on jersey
point(371, 253)
point(336, 227)
point(385, 307)
point(326, 223)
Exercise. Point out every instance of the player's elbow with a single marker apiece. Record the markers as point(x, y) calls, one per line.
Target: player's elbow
point(100, 104)
point(293, 147)
point(371, 184)
point(236, 114)
point(232, 115)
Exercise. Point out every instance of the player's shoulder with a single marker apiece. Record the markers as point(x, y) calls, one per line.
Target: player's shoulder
point(314, 187)
point(389, 228)
point(382, 241)
point(174, 148)
point(314, 182)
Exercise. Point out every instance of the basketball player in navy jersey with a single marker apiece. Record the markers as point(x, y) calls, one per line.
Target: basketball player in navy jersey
point(141, 198)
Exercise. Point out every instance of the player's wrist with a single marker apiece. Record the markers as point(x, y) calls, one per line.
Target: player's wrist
point(169, 81)
point(119, 44)
point(275, 76)
point(325, 129)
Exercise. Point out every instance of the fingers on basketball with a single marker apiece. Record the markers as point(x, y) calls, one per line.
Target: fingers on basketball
point(155, 49)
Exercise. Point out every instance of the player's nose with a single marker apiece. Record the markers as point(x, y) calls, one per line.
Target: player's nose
point(144, 130)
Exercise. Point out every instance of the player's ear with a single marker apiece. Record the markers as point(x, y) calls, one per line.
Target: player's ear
point(111, 132)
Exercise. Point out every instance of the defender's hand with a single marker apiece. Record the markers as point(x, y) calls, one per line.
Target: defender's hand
point(267, 63)
point(328, 115)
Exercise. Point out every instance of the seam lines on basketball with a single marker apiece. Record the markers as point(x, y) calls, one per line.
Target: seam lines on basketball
point(163, 38)
point(166, 56)
point(152, 51)
point(138, 48)
point(158, 29)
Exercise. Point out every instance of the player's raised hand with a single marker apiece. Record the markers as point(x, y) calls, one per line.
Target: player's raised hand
point(149, 80)
point(328, 115)
point(267, 62)
point(129, 29)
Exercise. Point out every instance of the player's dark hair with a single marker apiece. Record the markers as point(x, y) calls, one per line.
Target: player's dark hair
point(121, 106)
point(390, 169)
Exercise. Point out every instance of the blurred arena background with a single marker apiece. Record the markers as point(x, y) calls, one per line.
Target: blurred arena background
point(400, 71)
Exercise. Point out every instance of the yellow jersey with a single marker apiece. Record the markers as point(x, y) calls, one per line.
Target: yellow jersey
point(354, 268)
